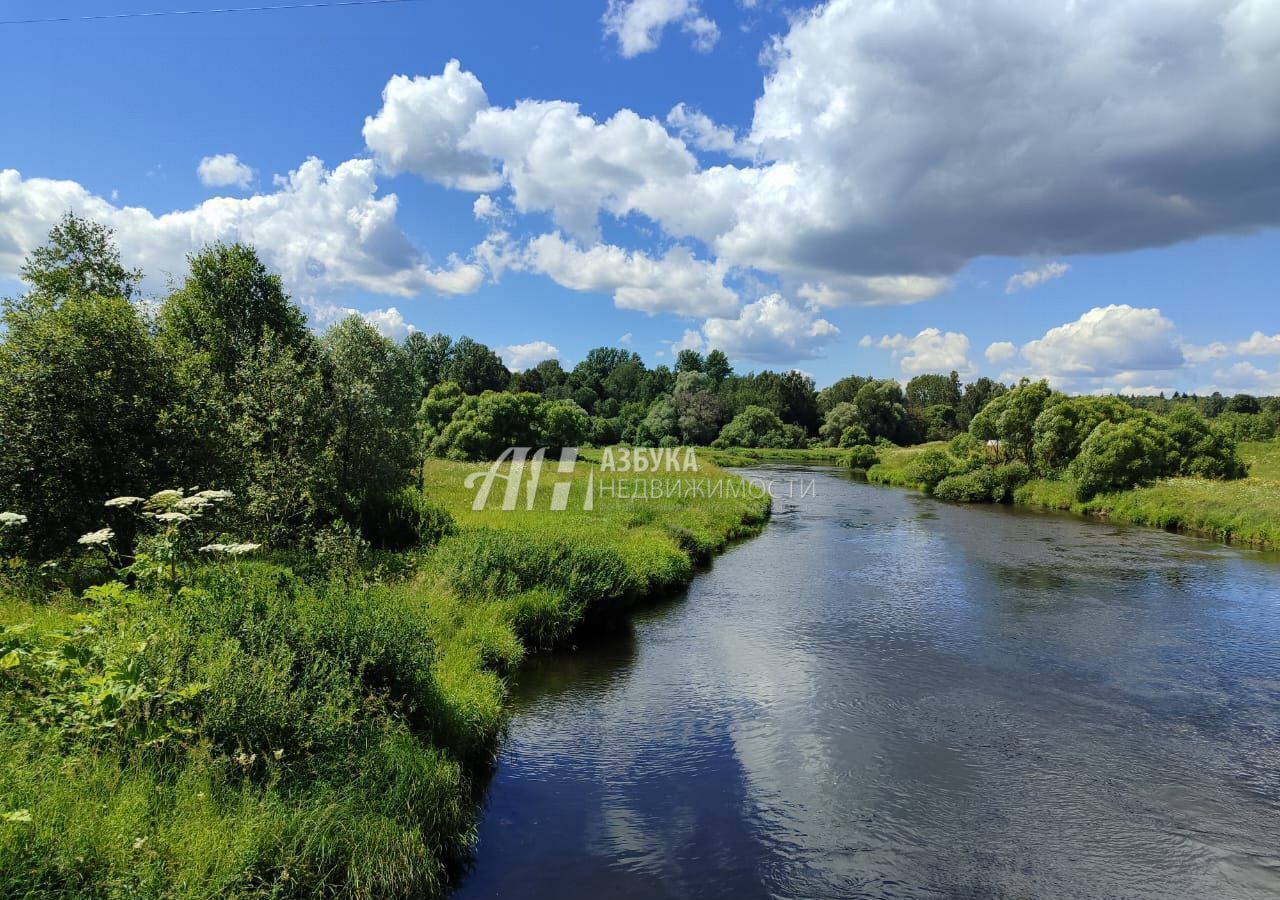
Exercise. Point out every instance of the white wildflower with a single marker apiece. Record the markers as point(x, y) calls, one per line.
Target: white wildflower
point(125, 501)
point(171, 517)
point(164, 499)
point(96, 538)
point(194, 503)
point(215, 496)
point(230, 549)
point(12, 518)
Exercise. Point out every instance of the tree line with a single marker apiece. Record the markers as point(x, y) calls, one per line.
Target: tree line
point(222, 383)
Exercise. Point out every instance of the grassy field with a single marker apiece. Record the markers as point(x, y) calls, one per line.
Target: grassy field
point(270, 733)
point(1243, 512)
point(749, 456)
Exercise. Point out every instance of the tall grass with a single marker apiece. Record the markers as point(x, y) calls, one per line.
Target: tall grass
point(333, 728)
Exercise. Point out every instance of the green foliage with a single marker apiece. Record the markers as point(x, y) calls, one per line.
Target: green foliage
point(842, 418)
point(964, 446)
point(1010, 418)
point(561, 423)
point(1062, 426)
point(929, 467)
point(406, 520)
point(80, 258)
point(756, 426)
point(1203, 452)
point(82, 398)
point(475, 368)
point(880, 408)
point(1120, 455)
point(861, 456)
point(375, 398)
point(976, 486)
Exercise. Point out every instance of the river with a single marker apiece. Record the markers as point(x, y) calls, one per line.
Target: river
point(887, 696)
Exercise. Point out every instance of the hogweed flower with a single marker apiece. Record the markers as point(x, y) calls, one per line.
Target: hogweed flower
point(171, 517)
point(97, 538)
point(12, 518)
point(230, 549)
point(120, 502)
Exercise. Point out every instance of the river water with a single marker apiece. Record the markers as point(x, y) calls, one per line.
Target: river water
point(887, 696)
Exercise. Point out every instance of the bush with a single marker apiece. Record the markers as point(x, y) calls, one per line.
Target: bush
point(1121, 455)
point(406, 520)
point(863, 456)
point(964, 445)
point(929, 467)
point(972, 487)
point(1008, 478)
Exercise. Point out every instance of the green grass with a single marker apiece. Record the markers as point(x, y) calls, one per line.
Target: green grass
point(750, 456)
point(384, 703)
point(1243, 512)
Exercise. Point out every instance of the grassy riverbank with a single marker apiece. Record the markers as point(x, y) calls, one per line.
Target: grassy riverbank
point(1246, 511)
point(287, 728)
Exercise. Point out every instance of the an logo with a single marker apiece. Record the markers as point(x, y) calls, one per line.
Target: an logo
point(525, 470)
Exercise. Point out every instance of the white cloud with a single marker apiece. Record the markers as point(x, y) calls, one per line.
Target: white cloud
point(486, 208)
point(770, 330)
point(675, 282)
point(1107, 341)
point(322, 229)
point(931, 350)
point(1260, 344)
point(519, 357)
point(1244, 377)
point(625, 340)
point(389, 322)
point(1001, 351)
point(690, 340)
point(866, 341)
point(421, 126)
point(223, 170)
point(697, 129)
point(1035, 277)
point(638, 24)
point(876, 290)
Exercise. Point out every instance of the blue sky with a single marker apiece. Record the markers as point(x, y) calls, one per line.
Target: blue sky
point(843, 187)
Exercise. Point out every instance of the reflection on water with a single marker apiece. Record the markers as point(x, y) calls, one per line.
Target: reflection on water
point(886, 696)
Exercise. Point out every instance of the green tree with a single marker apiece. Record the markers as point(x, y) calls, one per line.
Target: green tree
point(928, 390)
point(1010, 418)
point(756, 426)
point(977, 395)
point(840, 420)
point(80, 257)
point(881, 410)
point(476, 368)
point(82, 392)
point(689, 361)
point(700, 412)
point(484, 426)
point(717, 366)
point(659, 424)
point(1065, 423)
point(1203, 451)
point(227, 303)
point(1121, 455)
point(429, 357)
point(375, 398)
point(561, 423)
point(842, 391)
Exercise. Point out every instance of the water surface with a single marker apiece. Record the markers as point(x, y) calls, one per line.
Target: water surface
point(887, 696)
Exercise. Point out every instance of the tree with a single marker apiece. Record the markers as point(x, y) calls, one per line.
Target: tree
point(1121, 455)
point(842, 391)
point(1243, 403)
point(283, 427)
point(841, 420)
point(977, 395)
point(485, 425)
point(561, 423)
point(717, 366)
point(80, 257)
point(659, 424)
point(928, 390)
point(476, 368)
point(1010, 418)
point(1065, 423)
point(1203, 451)
point(689, 361)
point(82, 392)
point(375, 398)
point(880, 409)
point(429, 357)
point(227, 303)
point(756, 426)
point(700, 412)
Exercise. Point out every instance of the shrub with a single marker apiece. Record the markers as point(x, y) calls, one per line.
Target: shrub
point(405, 520)
point(964, 445)
point(972, 487)
point(1007, 479)
point(929, 467)
point(863, 456)
point(1120, 455)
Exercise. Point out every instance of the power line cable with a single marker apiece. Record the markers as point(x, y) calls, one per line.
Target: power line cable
point(331, 4)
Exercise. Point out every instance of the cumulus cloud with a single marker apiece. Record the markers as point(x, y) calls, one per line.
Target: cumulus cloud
point(1035, 277)
point(638, 24)
point(1260, 344)
point(486, 208)
point(769, 330)
point(932, 350)
point(698, 130)
point(1245, 377)
point(675, 282)
point(1001, 351)
point(625, 340)
point(224, 170)
point(1107, 341)
point(421, 126)
point(322, 229)
point(519, 357)
point(389, 322)
point(875, 290)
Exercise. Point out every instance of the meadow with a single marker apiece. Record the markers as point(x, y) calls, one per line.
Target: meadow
point(292, 727)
